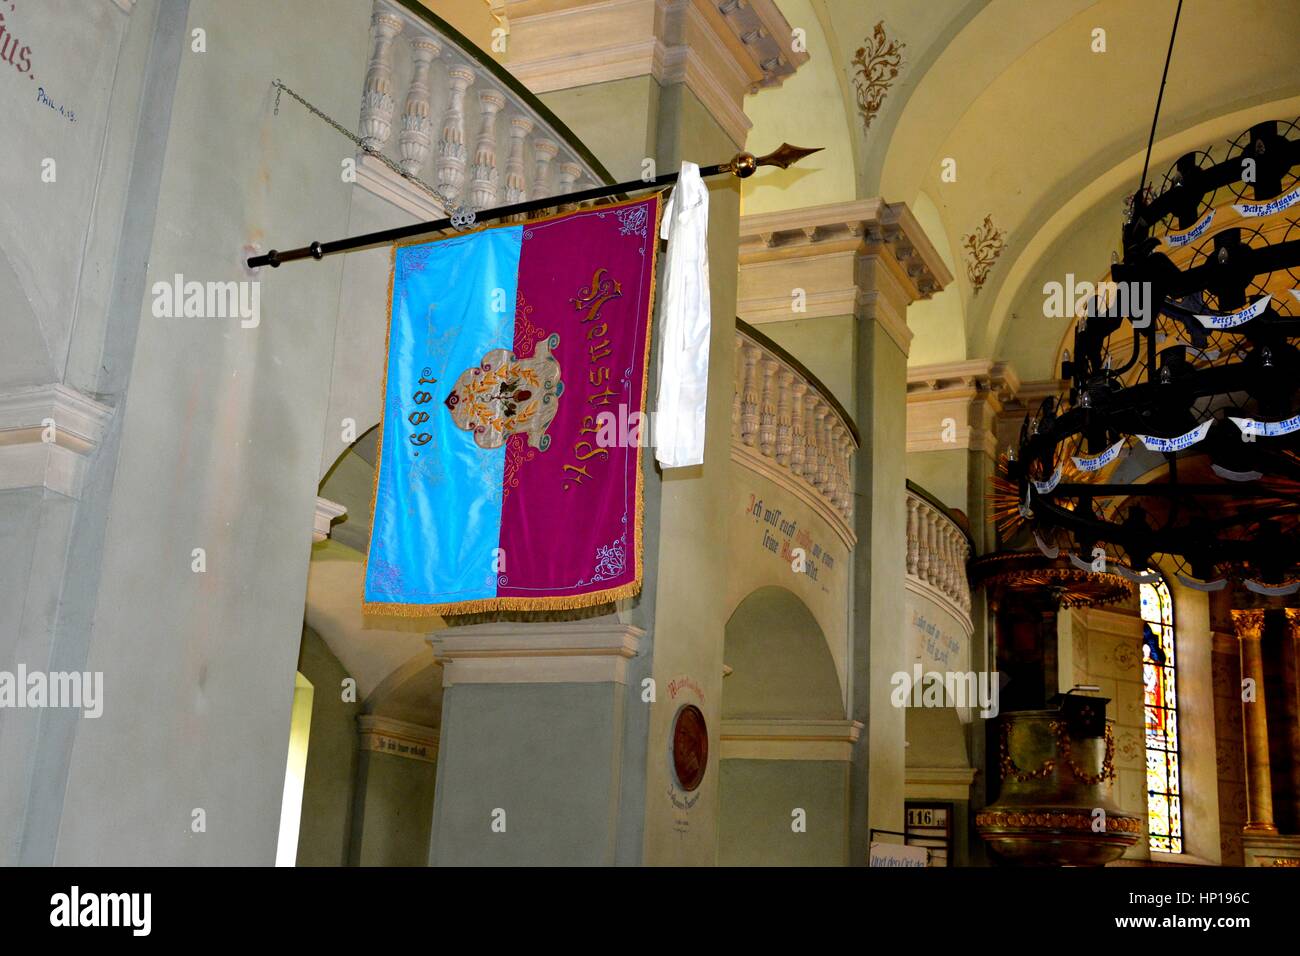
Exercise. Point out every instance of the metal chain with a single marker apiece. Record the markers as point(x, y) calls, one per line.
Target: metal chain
point(461, 214)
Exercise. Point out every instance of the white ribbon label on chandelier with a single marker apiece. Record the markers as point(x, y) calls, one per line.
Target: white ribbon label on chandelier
point(1179, 443)
point(1230, 320)
point(1047, 487)
point(1176, 239)
point(1253, 426)
point(1296, 293)
point(1268, 206)
point(1097, 462)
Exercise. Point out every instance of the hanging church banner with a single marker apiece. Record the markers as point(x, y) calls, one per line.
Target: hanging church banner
point(508, 477)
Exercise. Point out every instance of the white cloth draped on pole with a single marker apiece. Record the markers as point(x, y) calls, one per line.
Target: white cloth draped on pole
point(684, 325)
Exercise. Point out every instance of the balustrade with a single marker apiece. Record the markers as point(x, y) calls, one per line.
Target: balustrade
point(507, 132)
point(783, 418)
point(937, 551)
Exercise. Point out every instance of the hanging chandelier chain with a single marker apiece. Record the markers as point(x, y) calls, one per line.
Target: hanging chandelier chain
point(1169, 55)
point(448, 202)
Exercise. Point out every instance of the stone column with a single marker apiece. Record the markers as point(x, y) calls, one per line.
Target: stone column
point(630, 107)
point(182, 578)
point(417, 135)
point(531, 753)
point(1290, 681)
point(393, 795)
point(861, 265)
point(765, 763)
point(1249, 626)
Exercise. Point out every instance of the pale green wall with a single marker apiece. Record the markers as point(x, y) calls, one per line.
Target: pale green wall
point(326, 822)
point(215, 443)
point(807, 110)
point(392, 817)
point(824, 346)
point(938, 323)
point(942, 473)
point(616, 121)
point(758, 801)
point(691, 608)
point(780, 663)
point(547, 755)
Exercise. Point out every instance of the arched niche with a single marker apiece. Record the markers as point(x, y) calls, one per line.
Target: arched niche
point(786, 745)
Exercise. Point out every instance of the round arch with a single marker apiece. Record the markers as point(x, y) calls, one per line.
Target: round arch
point(780, 661)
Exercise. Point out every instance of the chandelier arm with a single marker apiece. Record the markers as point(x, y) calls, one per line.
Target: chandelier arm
point(1258, 261)
point(1154, 490)
point(1130, 540)
point(1208, 180)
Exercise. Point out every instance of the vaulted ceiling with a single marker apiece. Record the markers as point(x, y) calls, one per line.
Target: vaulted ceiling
point(1045, 134)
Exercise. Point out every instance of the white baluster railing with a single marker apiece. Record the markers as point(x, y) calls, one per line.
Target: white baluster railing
point(785, 424)
point(937, 552)
point(493, 148)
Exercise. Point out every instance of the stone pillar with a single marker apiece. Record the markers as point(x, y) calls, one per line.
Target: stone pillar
point(1290, 711)
point(860, 264)
point(770, 766)
point(663, 82)
point(393, 794)
point(531, 753)
point(1249, 626)
point(183, 578)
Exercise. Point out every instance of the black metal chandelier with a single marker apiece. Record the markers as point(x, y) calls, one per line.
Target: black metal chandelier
point(1180, 431)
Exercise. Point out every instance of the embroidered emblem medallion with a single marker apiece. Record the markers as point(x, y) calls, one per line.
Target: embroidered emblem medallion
point(504, 396)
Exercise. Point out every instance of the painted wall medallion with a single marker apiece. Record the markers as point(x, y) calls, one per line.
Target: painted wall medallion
point(690, 747)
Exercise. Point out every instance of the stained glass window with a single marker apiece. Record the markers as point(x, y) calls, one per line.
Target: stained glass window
point(1160, 704)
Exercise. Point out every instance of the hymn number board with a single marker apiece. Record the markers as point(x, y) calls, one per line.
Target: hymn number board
point(930, 825)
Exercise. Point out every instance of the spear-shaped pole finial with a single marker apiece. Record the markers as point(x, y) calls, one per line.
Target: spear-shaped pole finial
point(743, 164)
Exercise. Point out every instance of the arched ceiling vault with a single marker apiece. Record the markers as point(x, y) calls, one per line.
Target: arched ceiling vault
point(1047, 135)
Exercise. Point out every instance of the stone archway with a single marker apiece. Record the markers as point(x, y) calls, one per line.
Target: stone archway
point(786, 745)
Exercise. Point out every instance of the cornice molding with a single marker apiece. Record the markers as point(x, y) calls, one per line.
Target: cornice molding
point(775, 738)
point(722, 50)
point(511, 652)
point(954, 405)
point(36, 454)
point(938, 783)
point(866, 258)
point(376, 177)
point(1028, 396)
point(969, 378)
point(397, 738)
point(326, 512)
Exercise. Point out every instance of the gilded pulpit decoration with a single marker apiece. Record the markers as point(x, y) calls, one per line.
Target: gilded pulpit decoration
point(875, 67)
point(983, 246)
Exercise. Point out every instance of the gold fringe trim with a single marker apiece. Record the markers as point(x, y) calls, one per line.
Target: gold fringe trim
point(645, 386)
point(557, 602)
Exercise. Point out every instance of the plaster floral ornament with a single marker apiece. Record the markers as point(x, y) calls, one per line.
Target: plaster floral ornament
point(875, 67)
point(504, 396)
point(983, 246)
